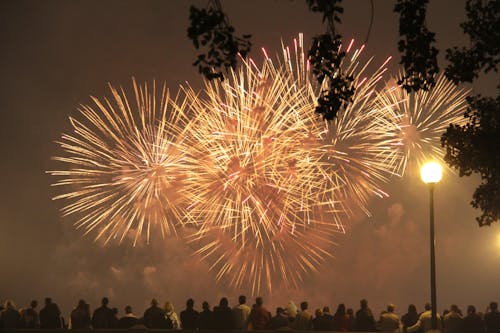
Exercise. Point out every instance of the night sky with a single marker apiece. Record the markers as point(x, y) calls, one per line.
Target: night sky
point(55, 54)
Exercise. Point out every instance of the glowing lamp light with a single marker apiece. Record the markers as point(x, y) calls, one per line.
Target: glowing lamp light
point(431, 172)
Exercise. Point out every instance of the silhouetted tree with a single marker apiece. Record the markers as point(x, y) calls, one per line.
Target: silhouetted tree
point(483, 28)
point(326, 58)
point(473, 147)
point(419, 57)
point(210, 28)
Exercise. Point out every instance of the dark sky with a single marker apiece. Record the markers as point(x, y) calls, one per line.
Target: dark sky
point(55, 54)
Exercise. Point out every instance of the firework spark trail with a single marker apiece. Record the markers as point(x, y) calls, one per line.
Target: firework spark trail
point(250, 178)
point(419, 119)
point(272, 177)
point(284, 261)
point(355, 151)
point(124, 167)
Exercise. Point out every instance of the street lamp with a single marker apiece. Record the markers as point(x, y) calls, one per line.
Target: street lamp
point(431, 173)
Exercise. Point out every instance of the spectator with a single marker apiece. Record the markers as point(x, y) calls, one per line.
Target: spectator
point(472, 323)
point(303, 321)
point(424, 322)
point(10, 317)
point(291, 312)
point(206, 317)
point(50, 315)
point(328, 320)
point(223, 316)
point(171, 316)
point(364, 318)
point(341, 319)
point(279, 321)
point(29, 316)
point(318, 320)
point(492, 318)
point(80, 316)
point(352, 319)
point(189, 317)
point(154, 316)
point(389, 321)
point(452, 321)
point(410, 318)
point(103, 315)
point(241, 312)
point(129, 320)
point(115, 319)
point(259, 316)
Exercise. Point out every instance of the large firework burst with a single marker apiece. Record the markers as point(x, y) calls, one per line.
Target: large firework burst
point(419, 119)
point(253, 175)
point(124, 169)
point(274, 182)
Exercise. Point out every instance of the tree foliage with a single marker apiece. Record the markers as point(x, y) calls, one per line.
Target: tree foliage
point(475, 146)
point(210, 28)
point(483, 28)
point(325, 57)
point(419, 57)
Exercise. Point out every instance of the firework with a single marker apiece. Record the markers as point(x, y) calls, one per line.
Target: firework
point(419, 119)
point(358, 150)
point(252, 176)
point(273, 181)
point(284, 261)
point(355, 152)
point(123, 167)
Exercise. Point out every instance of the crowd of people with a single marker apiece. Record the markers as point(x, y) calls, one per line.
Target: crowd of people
point(242, 317)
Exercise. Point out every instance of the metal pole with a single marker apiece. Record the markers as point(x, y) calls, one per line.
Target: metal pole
point(433, 259)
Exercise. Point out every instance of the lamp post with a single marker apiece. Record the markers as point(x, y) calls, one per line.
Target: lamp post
point(431, 173)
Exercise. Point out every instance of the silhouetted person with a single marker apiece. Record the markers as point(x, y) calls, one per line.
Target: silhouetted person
point(424, 322)
point(291, 312)
point(389, 321)
point(472, 323)
point(318, 322)
point(115, 319)
point(410, 318)
point(50, 315)
point(341, 319)
point(279, 321)
point(129, 320)
point(189, 316)
point(205, 320)
point(10, 317)
point(452, 321)
point(103, 316)
point(303, 321)
point(241, 312)
point(171, 316)
point(80, 316)
point(154, 316)
point(29, 316)
point(259, 316)
point(492, 318)
point(328, 321)
point(352, 319)
point(364, 318)
point(223, 316)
